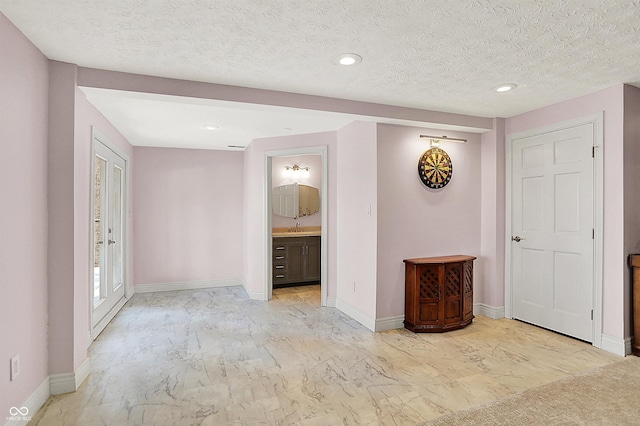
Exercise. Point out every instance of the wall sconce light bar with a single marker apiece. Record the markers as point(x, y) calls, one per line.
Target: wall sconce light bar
point(443, 138)
point(296, 172)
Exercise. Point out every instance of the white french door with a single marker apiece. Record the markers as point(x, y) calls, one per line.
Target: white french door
point(109, 190)
point(552, 220)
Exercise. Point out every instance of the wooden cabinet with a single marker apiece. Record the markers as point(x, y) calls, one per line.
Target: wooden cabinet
point(634, 262)
point(438, 293)
point(296, 260)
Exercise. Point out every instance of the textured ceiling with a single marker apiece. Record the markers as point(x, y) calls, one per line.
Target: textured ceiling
point(443, 55)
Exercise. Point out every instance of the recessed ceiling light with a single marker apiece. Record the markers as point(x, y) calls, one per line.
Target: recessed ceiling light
point(210, 127)
point(505, 87)
point(349, 59)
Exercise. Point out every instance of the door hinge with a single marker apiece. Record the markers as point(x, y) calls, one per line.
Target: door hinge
point(593, 233)
point(593, 152)
point(592, 314)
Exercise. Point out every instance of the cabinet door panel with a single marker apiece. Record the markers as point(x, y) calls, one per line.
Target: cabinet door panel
point(430, 292)
point(468, 291)
point(429, 313)
point(453, 293)
point(312, 270)
point(295, 262)
point(452, 311)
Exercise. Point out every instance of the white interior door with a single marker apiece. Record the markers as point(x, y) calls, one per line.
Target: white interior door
point(107, 286)
point(552, 248)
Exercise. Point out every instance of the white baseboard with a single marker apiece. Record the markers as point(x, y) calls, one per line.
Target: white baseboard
point(253, 295)
point(69, 382)
point(82, 372)
point(390, 323)
point(55, 384)
point(185, 285)
point(356, 314)
point(256, 295)
point(32, 405)
point(488, 311)
point(331, 302)
point(616, 345)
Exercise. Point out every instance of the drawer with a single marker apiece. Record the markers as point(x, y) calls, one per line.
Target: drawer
point(279, 277)
point(279, 268)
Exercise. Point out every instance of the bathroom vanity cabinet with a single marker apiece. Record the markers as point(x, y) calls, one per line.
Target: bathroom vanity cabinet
point(296, 260)
point(438, 293)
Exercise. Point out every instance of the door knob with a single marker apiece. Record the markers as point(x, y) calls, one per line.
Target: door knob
point(111, 242)
point(517, 239)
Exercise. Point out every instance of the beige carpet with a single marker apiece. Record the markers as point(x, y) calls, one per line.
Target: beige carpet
point(608, 395)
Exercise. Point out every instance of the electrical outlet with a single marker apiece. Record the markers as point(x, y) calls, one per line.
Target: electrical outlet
point(15, 367)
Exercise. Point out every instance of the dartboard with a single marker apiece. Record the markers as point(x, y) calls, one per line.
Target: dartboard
point(435, 168)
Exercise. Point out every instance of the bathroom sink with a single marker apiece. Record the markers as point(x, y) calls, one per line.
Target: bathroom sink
point(307, 231)
point(295, 234)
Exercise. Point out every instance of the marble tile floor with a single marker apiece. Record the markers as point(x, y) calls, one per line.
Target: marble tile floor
point(216, 357)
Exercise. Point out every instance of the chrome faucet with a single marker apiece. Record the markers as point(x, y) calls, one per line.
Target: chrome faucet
point(297, 226)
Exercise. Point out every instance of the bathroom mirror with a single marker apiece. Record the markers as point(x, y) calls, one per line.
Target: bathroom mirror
point(295, 200)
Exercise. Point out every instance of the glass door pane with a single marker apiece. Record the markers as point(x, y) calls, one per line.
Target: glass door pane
point(99, 252)
point(115, 234)
point(109, 250)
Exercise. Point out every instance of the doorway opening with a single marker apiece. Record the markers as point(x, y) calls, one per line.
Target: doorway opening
point(108, 291)
point(554, 228)
point(296, 219)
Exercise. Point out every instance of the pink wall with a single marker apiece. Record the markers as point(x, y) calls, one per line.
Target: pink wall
point(314, 162)
point(357, 216)
point(24, 87)
point(254, 201)
point(631, 190)
point(253, 262)
point(61, 241)
point(415, 221)
point(615, 271)
point(187, 215)
point(489, 285)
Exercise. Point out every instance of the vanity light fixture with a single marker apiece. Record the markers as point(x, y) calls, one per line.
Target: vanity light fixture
point(435, 140)
point(210, 127)
point(505, 87)
point(296, 172)
point(349, 59)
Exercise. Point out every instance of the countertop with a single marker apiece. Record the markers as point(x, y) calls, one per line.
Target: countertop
point(306, 231)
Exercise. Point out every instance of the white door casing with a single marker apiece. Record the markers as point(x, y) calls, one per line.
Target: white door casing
point(554, 210)
point(268, 213)
point(108, 232)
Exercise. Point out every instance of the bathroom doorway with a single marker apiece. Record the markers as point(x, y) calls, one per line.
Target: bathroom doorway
point(296, 219)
